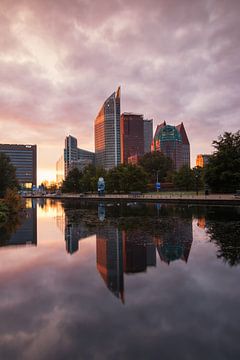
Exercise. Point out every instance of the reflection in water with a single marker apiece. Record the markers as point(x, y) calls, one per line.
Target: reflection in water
point(225, 234)
point(127, 248)
point(109, 255)
point(22, 230)
point(176, 244)
point(56, 306)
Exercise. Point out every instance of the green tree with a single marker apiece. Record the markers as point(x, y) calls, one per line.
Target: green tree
point(90, 177)
point(8, 178)
point(126, 178)
point(72, 182)
point(156, 161)
point(222, 173)
point(184, 179)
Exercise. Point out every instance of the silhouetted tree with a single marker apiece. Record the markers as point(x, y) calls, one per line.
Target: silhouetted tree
point(222, 173)
point(8, 178)
point(72, 182)
point(184, 179)
point(156, 161)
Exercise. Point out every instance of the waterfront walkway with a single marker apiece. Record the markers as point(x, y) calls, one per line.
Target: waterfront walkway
point(213, 199)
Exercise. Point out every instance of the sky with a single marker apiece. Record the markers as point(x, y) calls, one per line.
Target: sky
point(176, 61)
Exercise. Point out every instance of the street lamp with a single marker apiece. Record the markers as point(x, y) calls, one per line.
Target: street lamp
point(197, 175)
point(157, 181)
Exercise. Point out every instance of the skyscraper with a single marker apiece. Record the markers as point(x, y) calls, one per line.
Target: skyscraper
point(24, 158)
point(75, 157)
point(185, 145)
point(132, 136)
point(70, 153)
point(173, 142)
point(148, 134)
point(202, 160)
point(107, 133)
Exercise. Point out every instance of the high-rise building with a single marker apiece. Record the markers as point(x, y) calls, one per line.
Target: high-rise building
point(70, 153)
point(24, 158)
point(173, 142)
point(148, 134)
point(132, 136)
point(202, 160)
point(107, 133)
point(185, 145)
point(75, 157)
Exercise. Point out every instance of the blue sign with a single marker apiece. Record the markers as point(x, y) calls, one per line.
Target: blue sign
point(158, 185)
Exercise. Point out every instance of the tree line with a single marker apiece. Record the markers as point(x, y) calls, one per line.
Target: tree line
point(221, 174)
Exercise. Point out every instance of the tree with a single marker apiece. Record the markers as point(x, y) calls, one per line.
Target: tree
point(222, 173)
point(72, 182)
point(156, 161)
point(8, 178)
point(184, 179)
point(90, 177)
point(126, 178)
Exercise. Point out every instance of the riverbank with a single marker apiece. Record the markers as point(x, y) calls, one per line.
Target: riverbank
point(213, 199)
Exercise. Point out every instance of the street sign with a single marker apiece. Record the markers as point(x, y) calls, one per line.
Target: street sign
point(158, 185)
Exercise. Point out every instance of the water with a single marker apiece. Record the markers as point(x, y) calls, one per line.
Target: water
point(120, 281)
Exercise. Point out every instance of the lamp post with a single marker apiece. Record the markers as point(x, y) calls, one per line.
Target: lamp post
point(157, 180)
point(196, 175)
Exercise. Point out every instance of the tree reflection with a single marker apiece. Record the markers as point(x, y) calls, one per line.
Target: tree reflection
point(226, 235)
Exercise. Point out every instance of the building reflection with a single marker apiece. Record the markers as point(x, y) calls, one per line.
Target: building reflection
point(126, 249)
point(74, 233)
point(176, 243)
point(109, 256)
point(139, 251)
point(74, 230)
point(22, 230)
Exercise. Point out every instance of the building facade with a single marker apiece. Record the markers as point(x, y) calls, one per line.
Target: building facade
point(24, 159)
point(148, 134)
point(132, 136)
point(173, 142)
point(107, 133)
point(75, 157)
point(202, 160)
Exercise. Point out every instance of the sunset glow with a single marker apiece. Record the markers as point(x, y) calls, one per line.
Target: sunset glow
point(175, 61)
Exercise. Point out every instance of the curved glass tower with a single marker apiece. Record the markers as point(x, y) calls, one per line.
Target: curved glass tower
point(107, 133)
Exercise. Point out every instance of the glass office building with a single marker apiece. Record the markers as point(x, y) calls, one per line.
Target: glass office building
point(173, 142)
point(107, 133)
point(24, 159)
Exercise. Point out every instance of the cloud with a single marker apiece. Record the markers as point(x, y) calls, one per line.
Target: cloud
point(176, 61)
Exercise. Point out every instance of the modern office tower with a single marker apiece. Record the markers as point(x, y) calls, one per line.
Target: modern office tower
point(24, 158)
point(60, 170)
point(132, 136)
point(175, 244)
point(173, 142)
point(148, 134)
point(202, 160)
point(70, 153)
point(110, 258)
point(185, 145)
point(107, 133)
point(75, 157)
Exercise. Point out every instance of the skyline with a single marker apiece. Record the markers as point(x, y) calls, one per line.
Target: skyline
point(174, 62)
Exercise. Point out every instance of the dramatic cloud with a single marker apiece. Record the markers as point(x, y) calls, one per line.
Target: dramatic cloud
point(59, 60)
